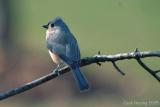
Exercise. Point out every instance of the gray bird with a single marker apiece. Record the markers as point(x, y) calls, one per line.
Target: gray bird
point(63, 48)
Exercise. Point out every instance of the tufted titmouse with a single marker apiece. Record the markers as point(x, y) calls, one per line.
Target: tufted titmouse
point(63, 48)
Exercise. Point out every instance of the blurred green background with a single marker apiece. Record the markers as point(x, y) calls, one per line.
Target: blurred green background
point(109, 26)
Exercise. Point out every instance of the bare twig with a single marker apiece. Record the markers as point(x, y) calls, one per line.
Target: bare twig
point(152, 72)
point(84, 62)
point(117, 68)
point(98, 63)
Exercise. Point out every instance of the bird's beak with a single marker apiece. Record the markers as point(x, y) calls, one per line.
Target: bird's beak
point(45, 26)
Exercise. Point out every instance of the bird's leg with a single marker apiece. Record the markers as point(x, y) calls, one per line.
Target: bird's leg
point(56, 70)
point(59, 66)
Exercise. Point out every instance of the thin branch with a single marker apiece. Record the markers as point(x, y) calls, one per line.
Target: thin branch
point(117, 68)
point(84, 62)
point(157, 71)
point(152, 72)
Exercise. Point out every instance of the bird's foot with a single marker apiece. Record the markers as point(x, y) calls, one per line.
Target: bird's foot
point(56, 70)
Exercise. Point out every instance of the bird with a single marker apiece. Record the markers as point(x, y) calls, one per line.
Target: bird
point(63, 49)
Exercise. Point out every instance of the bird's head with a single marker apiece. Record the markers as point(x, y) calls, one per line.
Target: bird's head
point(56, 23)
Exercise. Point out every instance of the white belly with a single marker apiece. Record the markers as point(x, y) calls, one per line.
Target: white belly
point(55, 58)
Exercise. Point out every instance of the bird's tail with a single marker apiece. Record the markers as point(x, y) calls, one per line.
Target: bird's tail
point(80, 79)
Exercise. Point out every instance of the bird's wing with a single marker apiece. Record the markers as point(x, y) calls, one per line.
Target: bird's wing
point(72, 49)
point(65, 46)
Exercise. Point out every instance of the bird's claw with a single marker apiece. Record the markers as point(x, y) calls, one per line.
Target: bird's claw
point(56, 71)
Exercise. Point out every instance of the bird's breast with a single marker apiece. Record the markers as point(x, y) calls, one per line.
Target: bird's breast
point(50, 33)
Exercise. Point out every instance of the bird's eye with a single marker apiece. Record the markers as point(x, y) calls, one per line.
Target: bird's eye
point(52, 25)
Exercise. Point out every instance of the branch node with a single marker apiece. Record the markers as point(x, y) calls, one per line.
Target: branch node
point(137, 53)
point(152, 72)
point(157, 71)
point(117, 68)
point(98, 63)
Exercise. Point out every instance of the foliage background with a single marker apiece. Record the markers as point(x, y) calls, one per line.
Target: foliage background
point(109, 26)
